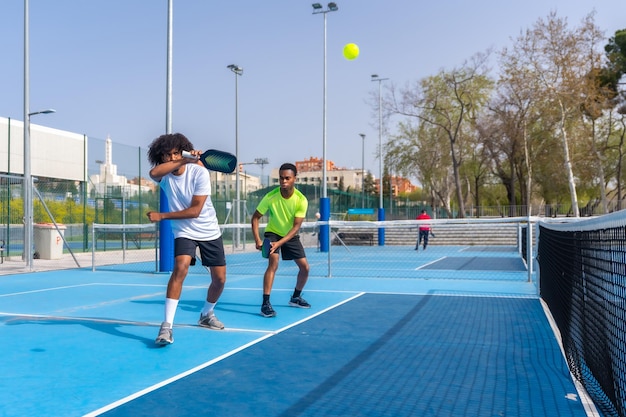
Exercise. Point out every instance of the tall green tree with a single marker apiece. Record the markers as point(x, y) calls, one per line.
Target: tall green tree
point(507, 127)
point(559, 59)
point(609, 78)
point(421, 151)
point(369, 184)
point(615, 68)
point(450, 102)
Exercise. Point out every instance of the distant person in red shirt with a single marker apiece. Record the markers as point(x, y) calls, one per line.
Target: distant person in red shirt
point(424, 230)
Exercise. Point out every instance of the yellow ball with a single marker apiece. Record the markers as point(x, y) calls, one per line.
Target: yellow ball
point(351, 51)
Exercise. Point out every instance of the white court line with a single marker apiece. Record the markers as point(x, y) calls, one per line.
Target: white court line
point(464, 248)
point(430, 263)
point(211, 362)
point(43, 317)
point(585, 399)
point(90, 306)
point(19, 316)
point(127, 299)
point(102, 284)
point(65, 287)
point(45, 289)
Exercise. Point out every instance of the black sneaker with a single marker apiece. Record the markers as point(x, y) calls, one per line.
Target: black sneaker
point(267, 310)
point(299, 302)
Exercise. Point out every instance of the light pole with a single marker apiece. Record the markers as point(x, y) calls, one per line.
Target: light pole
point(238, 71)
point(363, 171)
point(28, 189)
point(28, 179)
point(324, 201)
point(257, 161)
point(381, 208)
point(262, 162)
point(166, 235)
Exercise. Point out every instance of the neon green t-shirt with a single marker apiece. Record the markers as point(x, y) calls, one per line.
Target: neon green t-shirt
point(282, 211)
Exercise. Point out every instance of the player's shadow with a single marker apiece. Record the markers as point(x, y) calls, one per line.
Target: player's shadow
point(98, 324)
point(195, 306)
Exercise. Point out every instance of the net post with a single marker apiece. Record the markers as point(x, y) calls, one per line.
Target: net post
point(381, 230)
point(529, 250)
point(520, 233)
point(93, 247)
point(324, 228)
point(166, 241)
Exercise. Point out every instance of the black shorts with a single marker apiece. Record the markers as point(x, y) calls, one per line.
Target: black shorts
point(211, 251)
point(291, 250)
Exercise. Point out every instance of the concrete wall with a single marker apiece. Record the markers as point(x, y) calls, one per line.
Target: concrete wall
point(54, 153)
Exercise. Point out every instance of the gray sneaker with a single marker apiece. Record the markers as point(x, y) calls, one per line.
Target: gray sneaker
point(210, 322)
point(166, 335)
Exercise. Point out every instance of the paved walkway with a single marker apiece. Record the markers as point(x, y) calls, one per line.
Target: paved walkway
point(15, 265)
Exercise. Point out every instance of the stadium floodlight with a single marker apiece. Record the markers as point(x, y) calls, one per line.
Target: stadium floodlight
point(324, 201)
point(262, 162)
point(238, 71)
point(28, 185)
point(28, 181)
point(47, 111)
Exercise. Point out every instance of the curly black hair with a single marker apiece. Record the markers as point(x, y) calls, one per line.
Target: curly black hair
point(288, 166)
point(166, 143)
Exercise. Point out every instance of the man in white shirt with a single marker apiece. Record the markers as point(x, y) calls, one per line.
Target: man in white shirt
point(187, 185)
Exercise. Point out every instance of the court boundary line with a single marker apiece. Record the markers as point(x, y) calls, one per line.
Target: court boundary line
point(212, 361)
point(344, 372)
point(585, 399)
point(46, 289)
point(431, 262)
point(43, 317)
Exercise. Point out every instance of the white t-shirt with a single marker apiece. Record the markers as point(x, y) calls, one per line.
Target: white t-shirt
point(179, 190)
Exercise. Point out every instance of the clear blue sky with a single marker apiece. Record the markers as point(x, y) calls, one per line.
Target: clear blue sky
point(101, 65)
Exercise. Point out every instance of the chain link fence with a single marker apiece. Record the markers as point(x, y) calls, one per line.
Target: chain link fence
point(116, 189)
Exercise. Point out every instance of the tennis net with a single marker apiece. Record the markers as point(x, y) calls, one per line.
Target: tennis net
point(132, 245)
point(476, 249)
point(582, 269)
point(488, 249)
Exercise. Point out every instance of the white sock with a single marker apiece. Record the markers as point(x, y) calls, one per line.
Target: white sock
point(207, 309)
point(170, 310)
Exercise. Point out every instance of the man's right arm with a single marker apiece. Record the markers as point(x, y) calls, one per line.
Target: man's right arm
point(255, 229)
point(161, 170)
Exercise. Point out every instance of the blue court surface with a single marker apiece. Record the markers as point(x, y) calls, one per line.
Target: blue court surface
point(81, 343)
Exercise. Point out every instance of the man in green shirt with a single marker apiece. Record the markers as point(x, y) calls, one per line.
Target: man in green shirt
point(287, 209)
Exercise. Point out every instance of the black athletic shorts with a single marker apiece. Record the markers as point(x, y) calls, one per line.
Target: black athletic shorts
point(292, 249)
point(211, 251)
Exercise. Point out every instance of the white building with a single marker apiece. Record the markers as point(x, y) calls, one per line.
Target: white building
point(224, 184)
point(108, 179)
point(64, 155)
point(53, 153)
point(352, 178)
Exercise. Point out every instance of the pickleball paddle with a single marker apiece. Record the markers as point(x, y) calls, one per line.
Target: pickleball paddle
point(215, 160)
